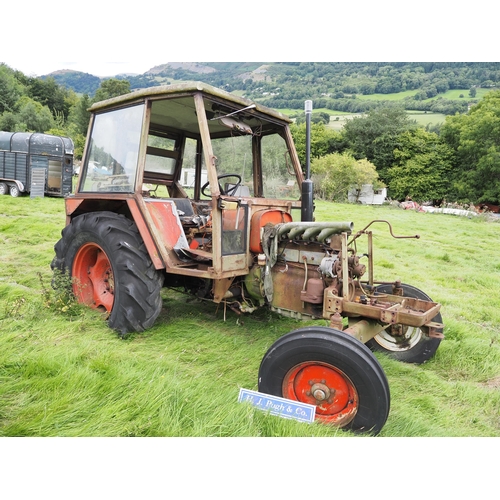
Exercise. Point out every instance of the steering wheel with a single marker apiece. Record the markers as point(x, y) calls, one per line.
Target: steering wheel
point(230, 191)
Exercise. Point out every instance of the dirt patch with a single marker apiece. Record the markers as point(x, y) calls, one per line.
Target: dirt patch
point(493, 383)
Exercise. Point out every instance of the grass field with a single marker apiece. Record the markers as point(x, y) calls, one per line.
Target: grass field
point(337, 121)
point(64, 373)
point(339, 118)
point(450, 94)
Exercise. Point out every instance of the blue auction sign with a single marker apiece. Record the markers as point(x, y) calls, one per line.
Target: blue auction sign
point(275, 405)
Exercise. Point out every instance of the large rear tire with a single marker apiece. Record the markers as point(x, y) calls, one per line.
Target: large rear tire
point(110, 269)
point(332, 370)
point(413, 345)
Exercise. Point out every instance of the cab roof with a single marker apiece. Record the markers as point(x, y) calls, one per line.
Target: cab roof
point(185, 89)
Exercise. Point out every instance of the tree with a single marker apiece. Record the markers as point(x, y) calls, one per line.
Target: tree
point(112, 87)
point(8, 122)
point(324, 140)
point(472, 92)
point(48, 93)
point(334, 174)
point(423, 169)
point(80, 116)
point(10, 89)
point(34, 116)
point(476, 139)
point(31, 117)
point(376, 135)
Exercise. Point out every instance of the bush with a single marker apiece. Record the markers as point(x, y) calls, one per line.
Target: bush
point(334, 174)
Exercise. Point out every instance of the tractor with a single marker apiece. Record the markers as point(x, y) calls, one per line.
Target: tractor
point(192, 188)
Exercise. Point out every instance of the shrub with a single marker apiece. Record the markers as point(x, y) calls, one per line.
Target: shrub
point(334, 174)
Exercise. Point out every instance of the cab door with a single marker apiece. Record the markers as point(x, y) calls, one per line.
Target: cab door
point(234, 235)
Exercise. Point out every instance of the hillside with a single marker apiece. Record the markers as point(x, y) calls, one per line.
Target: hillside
point(332, 85)
point(82, 83)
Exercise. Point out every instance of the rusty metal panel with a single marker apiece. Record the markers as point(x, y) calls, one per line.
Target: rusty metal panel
point(288, 281)
point(166, 220)
point(301, 256)
point(145, 234)
point(391, 310)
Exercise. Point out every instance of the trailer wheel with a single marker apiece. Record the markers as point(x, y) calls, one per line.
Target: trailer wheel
point(332, 370)
point(14, 190)
point(4, 189)
point(413, 346)
point(111, 269)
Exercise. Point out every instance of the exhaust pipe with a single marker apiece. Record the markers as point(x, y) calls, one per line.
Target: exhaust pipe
point(307, 207)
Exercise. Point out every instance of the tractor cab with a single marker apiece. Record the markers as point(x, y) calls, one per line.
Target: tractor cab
point(193, 166)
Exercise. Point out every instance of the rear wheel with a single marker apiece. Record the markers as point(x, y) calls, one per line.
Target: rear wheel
point(110, 269)
point(406, 343)
point(14, 190)
point(332, 370)
point(4, 189)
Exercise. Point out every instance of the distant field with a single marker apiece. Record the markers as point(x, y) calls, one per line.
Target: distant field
point(456, 93)
point(427, 118)
point(387, 97)
point(450, 94)
point(431, 118)
point(337, 121)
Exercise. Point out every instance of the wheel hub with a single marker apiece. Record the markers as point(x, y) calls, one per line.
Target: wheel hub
point(93, 275)
point(324, 386)
point(321, 392)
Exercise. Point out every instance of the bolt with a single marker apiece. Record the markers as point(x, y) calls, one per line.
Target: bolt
point(319, 394)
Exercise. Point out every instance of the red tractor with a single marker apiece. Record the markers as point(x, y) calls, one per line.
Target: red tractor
point(189, 186)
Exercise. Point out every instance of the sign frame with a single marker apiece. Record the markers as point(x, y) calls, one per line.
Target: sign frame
point(281, 407)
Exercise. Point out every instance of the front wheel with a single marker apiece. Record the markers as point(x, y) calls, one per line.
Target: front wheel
point(14, 191)
point(331, 370)
point(110, 269)
point(406, 343)
point(4, 188)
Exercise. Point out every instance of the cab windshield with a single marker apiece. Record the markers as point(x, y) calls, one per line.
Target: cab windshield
point(111, 163)
point(234, 156)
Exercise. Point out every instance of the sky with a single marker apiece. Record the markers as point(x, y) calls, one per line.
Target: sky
point(106, 38)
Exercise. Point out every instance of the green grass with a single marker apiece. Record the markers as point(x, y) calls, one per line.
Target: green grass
point(397, 96)
point(456, 93)
point(64, 373)
point(337, 121)
point(424, 119)
point(450, 94)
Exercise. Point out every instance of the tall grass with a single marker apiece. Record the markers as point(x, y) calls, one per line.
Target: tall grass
point(64, 373)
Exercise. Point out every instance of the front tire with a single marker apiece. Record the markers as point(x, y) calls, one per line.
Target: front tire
point(413, 346)
point(14, 191)
point(4, 188)
point(332, 370)
point(110, 269)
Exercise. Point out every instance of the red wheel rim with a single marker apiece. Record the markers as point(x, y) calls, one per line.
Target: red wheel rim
point(93, 281)
point(325, 386)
